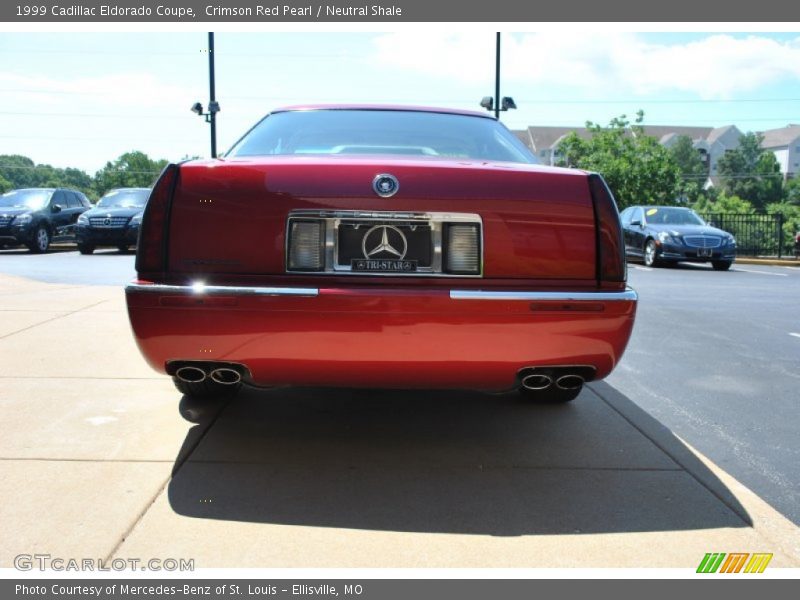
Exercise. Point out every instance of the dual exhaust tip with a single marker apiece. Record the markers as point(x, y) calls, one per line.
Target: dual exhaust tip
point(223, 375)
point(543, 381)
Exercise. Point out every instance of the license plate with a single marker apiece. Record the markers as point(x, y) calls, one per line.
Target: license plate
point(383, 266)
point(706, 252)
point(384, 246)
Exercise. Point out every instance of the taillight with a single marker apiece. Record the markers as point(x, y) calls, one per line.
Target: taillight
point(611, 264)
point(462, 249)
point(306, 246)
point(151, 252)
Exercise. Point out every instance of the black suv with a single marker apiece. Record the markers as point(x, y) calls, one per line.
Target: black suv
point(38, 216)
point(114, 221)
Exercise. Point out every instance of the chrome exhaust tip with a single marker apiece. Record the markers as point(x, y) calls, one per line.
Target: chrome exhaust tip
point(570, 382)
point(226, 376)
point(537, 381)
point(190, 374)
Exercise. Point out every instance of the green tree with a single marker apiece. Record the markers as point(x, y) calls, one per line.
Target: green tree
point(693, 171)
point(132, 169)
point(724, 204)
point(751, 172)
point(5, 185)
point(18, 170)
point(21, 172)
point(636, 167)
point(791, 221)
point(791, 191)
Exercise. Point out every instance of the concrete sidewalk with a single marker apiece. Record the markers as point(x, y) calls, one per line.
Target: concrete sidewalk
point(102, 458)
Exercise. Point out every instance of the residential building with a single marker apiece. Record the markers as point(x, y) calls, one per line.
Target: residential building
point(785, 144)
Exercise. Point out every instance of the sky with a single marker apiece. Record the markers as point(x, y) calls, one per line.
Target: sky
point(80, 99)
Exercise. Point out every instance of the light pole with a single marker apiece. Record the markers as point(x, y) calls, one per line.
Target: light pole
point(497, 104)
point(213, 105)
point(212, 100)
point(497, 78)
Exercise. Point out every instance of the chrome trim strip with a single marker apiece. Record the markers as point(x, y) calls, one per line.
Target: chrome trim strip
point(628, 295)
point(213, 290)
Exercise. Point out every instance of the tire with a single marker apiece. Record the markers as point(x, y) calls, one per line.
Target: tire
point(721, 265)
point(206, 388)
point(41, 240)
point(650, 254)
point(551, 395)
point(85, 248)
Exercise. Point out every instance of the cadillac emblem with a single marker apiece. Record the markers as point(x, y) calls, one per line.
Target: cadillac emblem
point(385, 185)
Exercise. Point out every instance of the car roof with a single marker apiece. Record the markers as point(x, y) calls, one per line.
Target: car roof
point(661, 207)
point(385, 107)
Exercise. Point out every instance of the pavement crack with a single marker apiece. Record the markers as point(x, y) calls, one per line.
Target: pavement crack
point(179, 462)
point(60, 316)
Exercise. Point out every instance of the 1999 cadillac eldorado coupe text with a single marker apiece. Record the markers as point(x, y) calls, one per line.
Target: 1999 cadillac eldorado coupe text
point(366, 246)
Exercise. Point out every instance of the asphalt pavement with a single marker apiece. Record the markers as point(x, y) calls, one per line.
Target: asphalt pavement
point(715, 356)
point(96, 449)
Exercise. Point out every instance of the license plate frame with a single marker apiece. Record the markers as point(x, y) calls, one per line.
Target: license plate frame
point(432, 266)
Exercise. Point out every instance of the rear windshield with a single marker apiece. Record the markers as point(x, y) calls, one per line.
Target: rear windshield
point(30, 199)
point(124, 199)
point(382, 132)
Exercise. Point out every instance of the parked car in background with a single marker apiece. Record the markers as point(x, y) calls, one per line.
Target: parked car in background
point(660, 235)
point(390, 247)
point(114, 221)
point(36, 217)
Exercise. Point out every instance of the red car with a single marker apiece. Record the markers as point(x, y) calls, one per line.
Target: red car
point(387, 247)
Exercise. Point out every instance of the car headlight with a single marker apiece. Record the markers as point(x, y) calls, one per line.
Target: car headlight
point(136, 219)
point(665, 238)
point(729, 240)
point(23, 219)
point(83, 220)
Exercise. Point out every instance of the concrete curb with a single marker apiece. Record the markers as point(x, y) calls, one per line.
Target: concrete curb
point(773, 262)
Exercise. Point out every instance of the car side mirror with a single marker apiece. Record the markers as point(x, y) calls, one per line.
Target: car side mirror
point(636, 223)
point(56, 208)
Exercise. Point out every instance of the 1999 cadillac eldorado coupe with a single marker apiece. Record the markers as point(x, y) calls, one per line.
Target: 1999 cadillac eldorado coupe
point(391, 247)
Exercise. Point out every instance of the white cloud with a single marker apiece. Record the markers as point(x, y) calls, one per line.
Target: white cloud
point(717, 66)
point(127, 90)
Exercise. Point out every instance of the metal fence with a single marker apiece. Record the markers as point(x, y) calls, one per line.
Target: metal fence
point(756, 235)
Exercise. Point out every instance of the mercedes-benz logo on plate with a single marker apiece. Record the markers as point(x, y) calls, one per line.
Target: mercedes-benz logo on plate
point(384, 241)
point(385, 185)
point(107, 221)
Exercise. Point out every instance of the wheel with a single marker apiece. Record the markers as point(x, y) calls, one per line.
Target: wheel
point(85, 248)
point(721, 265)
point(651, 254)
point(41, 240)
point(551, 395)
point(122, 249)
point(206, 388)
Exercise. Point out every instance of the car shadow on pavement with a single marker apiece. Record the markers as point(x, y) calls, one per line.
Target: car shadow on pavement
point(445, 462)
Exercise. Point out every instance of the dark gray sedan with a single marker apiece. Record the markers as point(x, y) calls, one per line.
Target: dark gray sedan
point(660, 235)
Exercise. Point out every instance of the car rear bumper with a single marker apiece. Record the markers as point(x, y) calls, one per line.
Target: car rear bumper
point(423, 338)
